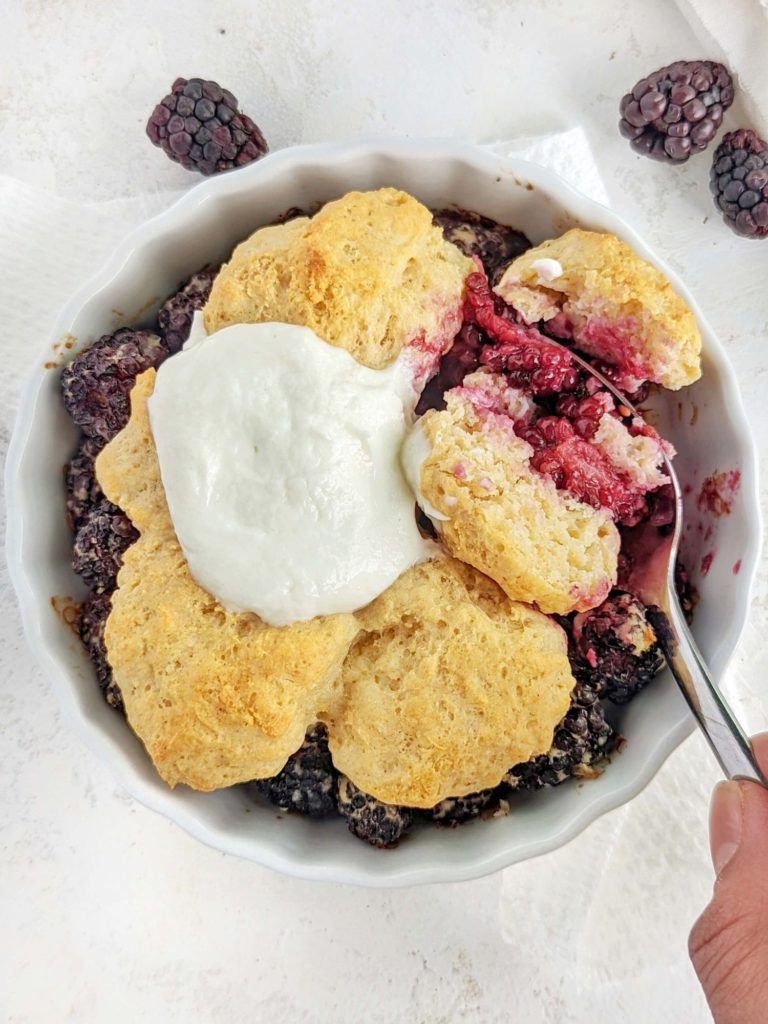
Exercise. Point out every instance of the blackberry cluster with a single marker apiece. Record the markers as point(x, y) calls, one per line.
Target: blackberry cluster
point(381, 825)
point(307, 783)
point(83, 491)
point(104, 534)
point(199, 126)
point(496, 245)
point(582, 469)
point(175, 315)
point(96, 385)
point(529, 360)
point(618, 649)
point(93, 618)
point(676, 112)
point(582, 740)
point(739, 183)
point(455, 810)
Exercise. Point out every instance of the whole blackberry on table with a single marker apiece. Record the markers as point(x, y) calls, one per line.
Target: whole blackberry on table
point(93, 618)
point(455, 810)
point(381, 825)
point(495, 244)
point(307, 783)
point(199, 126)
point(83, 491)
point(676, 112)
point(104, 534)
point(175, 315)
point(739, 183)
point(618, 646)
point(581, 741)
point(96, 385)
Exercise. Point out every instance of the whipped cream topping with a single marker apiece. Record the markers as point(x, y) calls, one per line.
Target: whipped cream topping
point(279, 456)
point(547, 269)
point(414, 453)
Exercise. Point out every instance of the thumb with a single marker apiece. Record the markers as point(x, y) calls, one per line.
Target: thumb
point(729, 942)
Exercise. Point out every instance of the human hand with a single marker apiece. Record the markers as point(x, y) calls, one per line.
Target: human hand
point(729, 943)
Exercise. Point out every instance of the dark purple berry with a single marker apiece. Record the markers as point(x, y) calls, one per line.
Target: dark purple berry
point(199, 126)
point(103, 536)
point(496, 244)
point(96, 385)
point(582, 740)
point(379, 824)
point(618, 649)
point(455, 810)
point(93, 618)
point(676, 112)
point(83, 490)
point(175, 315)
point(307, 783)
point(739, 182)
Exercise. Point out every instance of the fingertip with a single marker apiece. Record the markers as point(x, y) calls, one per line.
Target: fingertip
point(726, 815)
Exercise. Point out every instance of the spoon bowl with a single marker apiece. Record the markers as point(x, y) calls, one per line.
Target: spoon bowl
point(653, 554)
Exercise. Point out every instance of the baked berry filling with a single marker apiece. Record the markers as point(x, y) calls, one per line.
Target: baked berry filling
point(580, 439)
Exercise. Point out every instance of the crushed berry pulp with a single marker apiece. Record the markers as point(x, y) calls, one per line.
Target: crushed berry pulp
point(571, 405)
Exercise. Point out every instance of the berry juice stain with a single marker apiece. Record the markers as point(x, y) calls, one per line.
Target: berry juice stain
point(718, 492)
point(706, 562)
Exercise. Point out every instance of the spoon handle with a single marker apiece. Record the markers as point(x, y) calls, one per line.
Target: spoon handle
point(725, 736)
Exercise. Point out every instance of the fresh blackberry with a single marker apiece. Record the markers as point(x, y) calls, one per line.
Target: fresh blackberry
point(175, 315)
point(96, 385)
point(83, 491)
point(581, 741)
point(495, 244)
point(739, 183)
point(199, 126)
point(93, 618)
point(457, 809)
point(618, 647)
point(307, 783)
point(103, 536)
point(379, 824)
point(676, 112)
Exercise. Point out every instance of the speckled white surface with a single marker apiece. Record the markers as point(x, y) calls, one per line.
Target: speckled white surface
point(109, 912)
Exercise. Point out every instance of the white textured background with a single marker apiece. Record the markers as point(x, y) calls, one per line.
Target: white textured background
point(109, 913)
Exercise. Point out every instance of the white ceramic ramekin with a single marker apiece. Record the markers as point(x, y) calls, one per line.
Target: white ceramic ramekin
point(706, 423)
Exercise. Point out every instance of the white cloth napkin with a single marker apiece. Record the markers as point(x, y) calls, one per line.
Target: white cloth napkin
point(736, 32)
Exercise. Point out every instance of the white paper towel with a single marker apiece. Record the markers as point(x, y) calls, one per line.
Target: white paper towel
point(736, 32)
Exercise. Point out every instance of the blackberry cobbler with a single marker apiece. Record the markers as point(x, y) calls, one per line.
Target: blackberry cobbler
point(485, 663)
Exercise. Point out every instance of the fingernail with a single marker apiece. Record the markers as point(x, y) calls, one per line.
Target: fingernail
point(725, 820)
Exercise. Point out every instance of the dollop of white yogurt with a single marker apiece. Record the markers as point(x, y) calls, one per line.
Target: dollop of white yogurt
point(415, 452)
point(547, 269)
point(279, 456)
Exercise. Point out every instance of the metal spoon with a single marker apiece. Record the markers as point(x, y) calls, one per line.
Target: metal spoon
point(652, 581)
